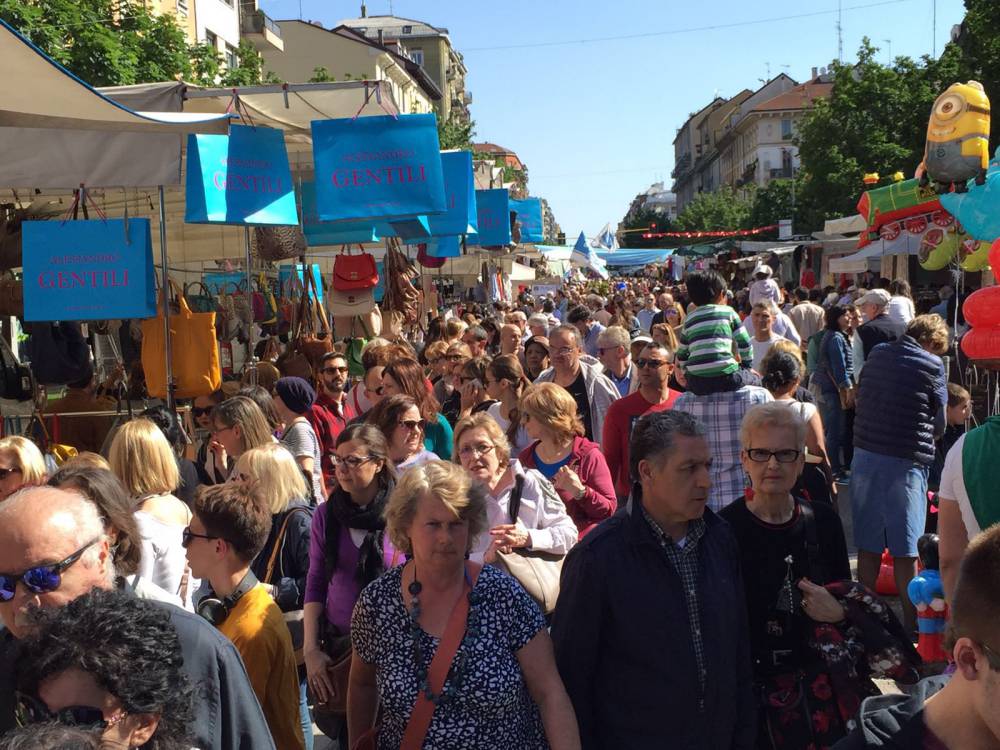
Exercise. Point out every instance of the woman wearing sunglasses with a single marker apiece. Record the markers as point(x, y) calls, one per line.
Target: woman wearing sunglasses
point(406, 376)
point(21, 465)
point(111, 663)
point(238, 424)
point(398, 417)
point(348, 550)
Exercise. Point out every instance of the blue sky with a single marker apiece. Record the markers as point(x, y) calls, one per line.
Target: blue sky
point(595, 121)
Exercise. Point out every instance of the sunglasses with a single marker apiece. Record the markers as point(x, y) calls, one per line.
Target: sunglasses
point(763, 455)
point(4, 473)
point(41, 579)
point(640, 363)
point(187, 536)
point(198, 411)
point(349, 462)
point(30, 710)
point(331, 370)
point(412, 424)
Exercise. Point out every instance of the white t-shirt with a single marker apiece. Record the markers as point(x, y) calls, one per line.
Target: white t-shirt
point(301, 440)
point(522, 439)
point(901, 310)
point(953, 487)
point(164, 561)
point(760, 348)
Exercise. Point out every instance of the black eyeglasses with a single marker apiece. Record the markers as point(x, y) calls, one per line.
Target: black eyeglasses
point(349, 462)
point(198, 411)
point(4, 473)
point(41, 579)
point(30, 710)
point(763, 455)
point(640, 363)
point(187, 535)
point(331, 370)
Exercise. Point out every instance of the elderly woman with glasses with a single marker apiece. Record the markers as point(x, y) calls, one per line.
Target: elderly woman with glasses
point(399, 419)
point(348, 549)
point(538, 522)
point(800, 612)
point(502, 689)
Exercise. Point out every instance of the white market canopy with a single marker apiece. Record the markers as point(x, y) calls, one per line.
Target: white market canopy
point(870, 257)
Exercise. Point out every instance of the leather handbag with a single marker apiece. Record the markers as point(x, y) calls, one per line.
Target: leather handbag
point(350, 304)
point(268, 313)
point(11, 295)
point(294, 619)
point(354, 272)
point(58, 352)
point(203, 301)
point(16, 381)
point(312, 336)
point(194, 352)
point(538, 572)
point(279, 242)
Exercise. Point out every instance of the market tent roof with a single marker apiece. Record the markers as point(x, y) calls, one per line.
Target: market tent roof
point(635, 257)
point(844, 225)
point(697, 251)
point(871, 256)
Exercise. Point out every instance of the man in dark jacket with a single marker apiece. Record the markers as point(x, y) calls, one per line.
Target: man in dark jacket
point(965, 710)
point(879, 328)
point(650, 629)
point(42, 526)
point(900, 411)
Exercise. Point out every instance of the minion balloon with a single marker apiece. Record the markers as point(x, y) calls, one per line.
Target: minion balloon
point(957, 138)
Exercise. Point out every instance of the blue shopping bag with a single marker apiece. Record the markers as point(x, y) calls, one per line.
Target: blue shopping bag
point(460, 193)
point(529, 216)
point(444, 247)
point(377, 168)
point(88, 270)
point(493, 218)
point(240, 178)
point(319, 233)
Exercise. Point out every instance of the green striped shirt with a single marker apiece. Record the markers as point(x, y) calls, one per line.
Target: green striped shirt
point(707, 339)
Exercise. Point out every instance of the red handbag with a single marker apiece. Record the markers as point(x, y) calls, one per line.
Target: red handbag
point(426, 259)
point(354, 272)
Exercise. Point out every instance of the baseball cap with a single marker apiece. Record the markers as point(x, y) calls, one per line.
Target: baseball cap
point(878, 297)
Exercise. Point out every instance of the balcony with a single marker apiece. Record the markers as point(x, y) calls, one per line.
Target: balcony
point(258, 29)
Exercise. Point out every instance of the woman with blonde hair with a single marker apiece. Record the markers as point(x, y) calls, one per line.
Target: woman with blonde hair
point(539, 521)
point(565, 457)
point(143, 460)
point(282, 565)
point(506, 382)
point(503, 689)
point(238, 424)
point(21, 465)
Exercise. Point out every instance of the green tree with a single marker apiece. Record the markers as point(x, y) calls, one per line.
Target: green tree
point(455, 134)
point(875, 120)
point(206, 64)
point(645, 219)
point(104, 42)
point(977, 52)
point(249, 68)
point(771, 204)
point(723, 210)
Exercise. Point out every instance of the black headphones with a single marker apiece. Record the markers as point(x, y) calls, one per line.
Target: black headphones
point(216, 610)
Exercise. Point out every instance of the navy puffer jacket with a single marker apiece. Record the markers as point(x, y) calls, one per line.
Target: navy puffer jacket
point(901, 399)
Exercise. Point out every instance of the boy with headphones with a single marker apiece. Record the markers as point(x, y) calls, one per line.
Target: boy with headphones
point(228, 529)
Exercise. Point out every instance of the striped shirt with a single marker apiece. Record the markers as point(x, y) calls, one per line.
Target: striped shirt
point(706, 341)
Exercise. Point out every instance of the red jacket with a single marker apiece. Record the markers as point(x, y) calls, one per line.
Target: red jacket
point(327, 427)
point(621, 418)
point(598, 501)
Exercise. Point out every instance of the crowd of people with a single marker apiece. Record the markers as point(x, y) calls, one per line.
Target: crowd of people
point(598, 521)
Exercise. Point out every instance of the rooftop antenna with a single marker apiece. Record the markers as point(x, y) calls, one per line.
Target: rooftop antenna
point(889, 42)
point(934, 29)
point(840, 31)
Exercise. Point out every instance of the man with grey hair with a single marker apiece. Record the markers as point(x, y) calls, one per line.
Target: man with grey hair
point(651, 602)
point(538, 325)
point(588, 386)
point(879, 328)
point(53, 548)
point(615, 353)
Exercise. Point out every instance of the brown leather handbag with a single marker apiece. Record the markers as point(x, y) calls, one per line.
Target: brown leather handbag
point(11, 295)
point(311, 337)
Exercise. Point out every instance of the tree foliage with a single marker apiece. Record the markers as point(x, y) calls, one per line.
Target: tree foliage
point(644, 219)
point(724, 209)
point(455, 134)
point(321, 75)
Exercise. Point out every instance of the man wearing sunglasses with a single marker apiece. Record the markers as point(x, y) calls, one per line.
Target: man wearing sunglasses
point(53, 549)
point(653, 368)
point(963, 712)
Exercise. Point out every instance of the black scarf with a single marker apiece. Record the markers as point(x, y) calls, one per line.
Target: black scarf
point(342, 512)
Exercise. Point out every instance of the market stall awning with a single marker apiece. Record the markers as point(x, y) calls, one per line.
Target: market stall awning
point(37, 92)
point(870, 257)
point(618, 258)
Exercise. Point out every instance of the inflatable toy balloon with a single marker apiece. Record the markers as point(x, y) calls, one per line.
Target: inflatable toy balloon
point(978, 209)
point(958, 136)
point(974, 255)
point(884, 206)
point(871, 178)
point(885, 584)
point(937, 247)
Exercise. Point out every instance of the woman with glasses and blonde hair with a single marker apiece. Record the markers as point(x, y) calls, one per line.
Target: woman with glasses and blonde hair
point(238, 424)
point(399, 419)
point(21, 465)
point(143, 460)
point(282, 565)
point(539, 521)
point(348, 549)
point(574, 465)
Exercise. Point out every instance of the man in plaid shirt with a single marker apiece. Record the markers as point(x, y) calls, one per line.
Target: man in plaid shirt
point(722, 414)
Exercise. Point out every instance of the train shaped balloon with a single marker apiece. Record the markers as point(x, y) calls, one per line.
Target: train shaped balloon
point(958, 136)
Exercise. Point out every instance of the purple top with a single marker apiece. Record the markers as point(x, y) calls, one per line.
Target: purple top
point(344, 589)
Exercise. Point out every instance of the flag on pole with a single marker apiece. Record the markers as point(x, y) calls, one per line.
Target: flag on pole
point(584, 256)
point(606, 238)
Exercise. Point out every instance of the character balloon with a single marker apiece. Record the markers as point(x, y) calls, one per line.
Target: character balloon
point(957, 138)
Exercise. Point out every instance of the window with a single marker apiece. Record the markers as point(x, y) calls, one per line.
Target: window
point(786, 130)
point(407, 29)
point(231, 60)
point(417, 55)
point(211, 39)
point(182, 7)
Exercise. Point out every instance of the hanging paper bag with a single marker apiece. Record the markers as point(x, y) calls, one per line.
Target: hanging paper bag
point(88, 270)
point(240, 178)
point(377, 167)
point(529, 217)
point(493, 218)
point(354, 272)
point(460, 195)
point(194, 354)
